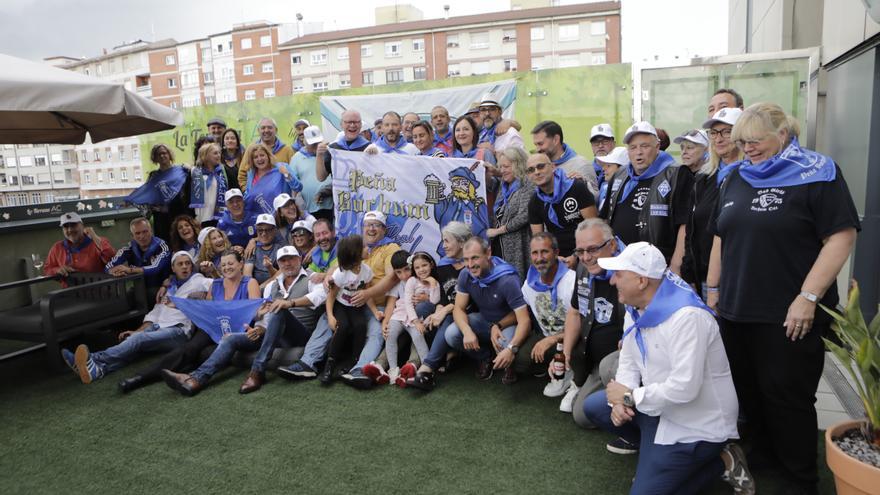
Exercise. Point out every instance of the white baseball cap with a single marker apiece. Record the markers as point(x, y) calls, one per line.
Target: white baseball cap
point(313, 134)
point(696, 136)
point(602, 130)
point(618, 156)
point(641, 127)
point(182, 253)
point(67, 218)
point(639, 257)
point(233, 193)
point(287, 251)
point(265, 218)
point(301, 224)
point(281, 200)
point(723, 116)
point(374, 216)
point(203, 234)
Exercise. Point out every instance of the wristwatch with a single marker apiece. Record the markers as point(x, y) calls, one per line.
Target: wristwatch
point(628, 400)
point(513, 348)
point(809, 296)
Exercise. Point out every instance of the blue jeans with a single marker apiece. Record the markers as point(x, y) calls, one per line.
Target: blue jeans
point(681, 468)
point(319, 342)
point(281, 328)
point(153, 339)
point(454, 339)
point(375, 341)
point(222, 355)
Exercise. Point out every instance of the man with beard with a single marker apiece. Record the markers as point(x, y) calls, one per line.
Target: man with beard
point(442, 129)
point(547, 138)
point(392, 141)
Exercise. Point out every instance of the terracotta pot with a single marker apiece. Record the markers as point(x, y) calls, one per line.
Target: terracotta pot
point(851, 476)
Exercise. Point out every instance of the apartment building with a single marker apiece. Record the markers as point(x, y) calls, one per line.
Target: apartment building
point(37, 173)
point(527, 39)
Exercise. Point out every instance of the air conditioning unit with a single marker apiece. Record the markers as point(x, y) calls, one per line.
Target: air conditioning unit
point(452, 44)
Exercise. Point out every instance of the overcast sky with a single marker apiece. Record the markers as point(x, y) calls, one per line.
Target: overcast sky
point(36, 29)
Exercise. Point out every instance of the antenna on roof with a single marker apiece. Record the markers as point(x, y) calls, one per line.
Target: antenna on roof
point(446, 10)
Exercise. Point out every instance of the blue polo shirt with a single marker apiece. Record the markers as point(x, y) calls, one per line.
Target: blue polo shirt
point(495, 301)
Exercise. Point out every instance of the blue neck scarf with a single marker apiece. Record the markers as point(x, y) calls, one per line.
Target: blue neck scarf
point(141, 257)
point(500, 268)
point(161, 187)
point(470, 154)
point(672, 295)
point(277, 146)
point(71, 249)
point(533, 279)
point(318, 258)
point(297, 146)
point(567, 154)
point(387, 148)
point(724, 170)
point(176, 283)
point(660, 164)
point(303, 150)
point(487, 134)
point(795, 166)
point(445, 139)
point(381, 242)
point(201, 180)
point(359, 142)
point(507, 191)
point(600, 173)
point(446, 261)
point(561, 185)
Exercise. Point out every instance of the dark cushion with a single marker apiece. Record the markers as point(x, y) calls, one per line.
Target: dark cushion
point(69, 312)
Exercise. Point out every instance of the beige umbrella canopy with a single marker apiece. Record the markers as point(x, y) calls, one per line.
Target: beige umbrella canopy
point(43, 104)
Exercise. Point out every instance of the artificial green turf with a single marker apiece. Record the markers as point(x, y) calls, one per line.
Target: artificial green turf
point(60, 436)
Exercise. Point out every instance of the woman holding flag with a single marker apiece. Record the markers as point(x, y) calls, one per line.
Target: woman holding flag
point(266, 179)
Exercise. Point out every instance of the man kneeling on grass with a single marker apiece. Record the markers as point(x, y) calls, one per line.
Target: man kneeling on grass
point(164, 328)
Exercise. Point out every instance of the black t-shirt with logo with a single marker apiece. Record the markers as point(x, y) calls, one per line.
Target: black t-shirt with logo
point(607, 317)
point(568, 213)
point(770, 239)
point(625, 223)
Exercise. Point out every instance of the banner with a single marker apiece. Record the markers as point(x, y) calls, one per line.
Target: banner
point(217, 318)
point(456, 100)
point(418, 194)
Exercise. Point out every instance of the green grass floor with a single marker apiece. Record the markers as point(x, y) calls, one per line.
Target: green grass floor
point(59, 436)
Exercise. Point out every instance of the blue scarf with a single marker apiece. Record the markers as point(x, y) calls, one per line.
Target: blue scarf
point(672, 295)
point(161, 187)
point(201, 180)
point(277, 146)
point(258, 197)
point(387, 148)
point(446, 261)
point(71, 249)
point(567, 154)
point(600, 174)
point(177, 283)
point(297, 146)
point(218, 318)
point(561, 185)
point(445, 139)
point(724, 170)
point(500, 268)
point(305, 152)
point(795, 166)
point(140, 257)
point(318, 258)
point(470, 154)
point(533, 279)
point(660, 164)
point(487, 134)
point(507, 191)
point(359, 142)
point(381, 242)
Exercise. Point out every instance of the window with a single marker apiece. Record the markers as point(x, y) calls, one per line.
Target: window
point(366, 51)
point(266, 67)
point(68, 156)
point(137, 174)
point(121, 152)
point(189, 79)
point(174, 105)
point(87, 72)
point(219, 48)
point(508, 36)
point(569, 32)
point(266, 40)
point(209, 100)
point(478, 68)
point(367, 78)
point(59, 179)
point(420, 73)
point(40, 161)
point(135, 152)
point(124, 174)
point(169, 59)
point(27, 180)
point(597, 28)
point(190, 101)
point(246, 43)
point(479, 40)
point(452, 41)
point(226, 74)
point(597, 59)
point(250, 94)
point(509, 65)
point(298, 86)
point(109, 154)
point(453, 70)
point(44, 179)
point(100, 176)
point(110, 176)
point(206, 53)
point(342, 53)
point(319, 57)
point(566, 61)
point(537, 33)
point(320, 86)
point(393, 76)
point(344, 80)
point(392, 49)
point(36, 198)
point(296, 58)
point(56, 158)
point(247, 69)
point(27, 161)
point(84, 153)
point(268, 92)
point(209, 77)
point(12, 180)
point(418, 45)
point(172, 83)
point(100, 70)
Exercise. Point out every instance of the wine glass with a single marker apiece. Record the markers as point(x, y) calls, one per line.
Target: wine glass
point(37, 260)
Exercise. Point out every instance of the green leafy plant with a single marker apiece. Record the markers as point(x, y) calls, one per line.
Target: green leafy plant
point(860, 354)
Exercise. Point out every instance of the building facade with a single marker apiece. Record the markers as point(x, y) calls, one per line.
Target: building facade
point(37, 173)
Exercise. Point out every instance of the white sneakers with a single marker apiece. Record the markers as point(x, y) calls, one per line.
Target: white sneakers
point(558, 387)
point(568, 401)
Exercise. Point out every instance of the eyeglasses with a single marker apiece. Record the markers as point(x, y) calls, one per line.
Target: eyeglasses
point(265, 230)
point(351, 122)
point(742, 143)
point(538, 166)
point(725, 133)
point(300, 233)
point(592, 251)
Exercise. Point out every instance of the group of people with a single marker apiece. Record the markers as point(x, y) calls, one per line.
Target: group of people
point(682, 296)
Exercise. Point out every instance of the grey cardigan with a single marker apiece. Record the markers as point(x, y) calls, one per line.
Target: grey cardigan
point(515, 243)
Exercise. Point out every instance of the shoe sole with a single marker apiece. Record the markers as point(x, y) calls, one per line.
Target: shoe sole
point(296, 375)
point(411, 383)
point(620, 451)
point(359, 383)
point(81, 357)
point(70, 365)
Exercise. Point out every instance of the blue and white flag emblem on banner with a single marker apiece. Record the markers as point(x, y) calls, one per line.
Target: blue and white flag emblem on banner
point(217, 318)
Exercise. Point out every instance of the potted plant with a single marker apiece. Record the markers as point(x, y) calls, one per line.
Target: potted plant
point(852, 448)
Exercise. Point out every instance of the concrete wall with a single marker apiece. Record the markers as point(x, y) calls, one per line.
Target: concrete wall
point(775, 25)
point(845, 24)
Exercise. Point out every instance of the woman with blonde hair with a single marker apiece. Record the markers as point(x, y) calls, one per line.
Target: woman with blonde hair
point(511, 210)
point(784, 225)
point(266, 179)
point(208, 186)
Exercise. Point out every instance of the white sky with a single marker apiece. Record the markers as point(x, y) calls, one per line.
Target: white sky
point(35, 29)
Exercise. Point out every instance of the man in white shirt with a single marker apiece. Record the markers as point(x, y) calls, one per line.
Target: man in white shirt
point(673, 393)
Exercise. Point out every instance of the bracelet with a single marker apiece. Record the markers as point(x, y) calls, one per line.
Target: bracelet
point(712, 289)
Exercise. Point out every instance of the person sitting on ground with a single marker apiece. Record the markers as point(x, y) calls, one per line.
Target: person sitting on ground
point(185, 235)
point(145, 254)
point(163, 329)
point(673, 393)
point(81, 250)
point(237, 226)
point(494, 287)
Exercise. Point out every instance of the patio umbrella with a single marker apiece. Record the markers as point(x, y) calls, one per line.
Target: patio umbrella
point(43, 104)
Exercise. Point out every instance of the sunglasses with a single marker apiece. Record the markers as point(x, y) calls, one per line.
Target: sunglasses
point(539, 166)
point(593, 250)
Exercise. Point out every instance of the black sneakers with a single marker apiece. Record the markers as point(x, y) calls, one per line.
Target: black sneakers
point(424, 380)
point(622, 447)
point(328, 374)
point(738, 475)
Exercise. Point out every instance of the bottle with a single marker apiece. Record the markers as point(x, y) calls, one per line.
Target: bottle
point(557, 367)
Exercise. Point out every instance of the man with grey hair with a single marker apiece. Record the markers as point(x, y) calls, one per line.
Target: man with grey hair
point(145, 254)
point(351, 140)
point(409, 120)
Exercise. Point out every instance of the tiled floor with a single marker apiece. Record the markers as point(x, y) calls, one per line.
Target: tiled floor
point(828, 407)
